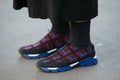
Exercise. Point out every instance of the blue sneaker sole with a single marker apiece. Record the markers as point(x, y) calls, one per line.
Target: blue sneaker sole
point(82, 63)
point(39, 55)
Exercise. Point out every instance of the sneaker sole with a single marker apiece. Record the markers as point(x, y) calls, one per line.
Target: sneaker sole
point(82, 63)
point(39, 55)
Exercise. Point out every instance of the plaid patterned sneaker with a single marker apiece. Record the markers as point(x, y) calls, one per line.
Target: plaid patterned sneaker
point(68, 57)
point(47, 45)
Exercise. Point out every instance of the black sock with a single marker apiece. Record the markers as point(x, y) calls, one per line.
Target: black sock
point(56, 16)
point(80, 33)
point(61, 27)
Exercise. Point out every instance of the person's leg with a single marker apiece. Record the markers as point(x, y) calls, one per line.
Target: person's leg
point(55, 39)
point(61, 28)
point(79, 52)
point(80, 33)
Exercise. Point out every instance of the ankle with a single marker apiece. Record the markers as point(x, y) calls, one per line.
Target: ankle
point(61, 28)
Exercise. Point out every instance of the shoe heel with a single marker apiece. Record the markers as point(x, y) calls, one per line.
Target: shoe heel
point(88, 62)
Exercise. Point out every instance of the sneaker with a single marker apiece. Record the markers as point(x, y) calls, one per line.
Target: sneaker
point(47, 45)
point(67, 58)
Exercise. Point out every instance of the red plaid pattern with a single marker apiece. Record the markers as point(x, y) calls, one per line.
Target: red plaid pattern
point(69, 54)
point(71, 58)
point(50, 41)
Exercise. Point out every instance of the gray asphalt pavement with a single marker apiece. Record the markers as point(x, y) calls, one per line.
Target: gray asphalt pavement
point(17, 29)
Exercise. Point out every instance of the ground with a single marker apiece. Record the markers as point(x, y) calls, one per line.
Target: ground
point(17, 29)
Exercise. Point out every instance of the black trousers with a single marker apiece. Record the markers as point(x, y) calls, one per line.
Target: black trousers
point(66, 10)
